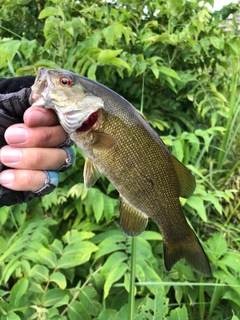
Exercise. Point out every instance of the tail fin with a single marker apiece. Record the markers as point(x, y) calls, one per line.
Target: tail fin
point(190, 249)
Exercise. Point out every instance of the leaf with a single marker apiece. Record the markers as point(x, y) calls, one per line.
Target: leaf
point(169, 72)
point(88, 297)
point(177, 149)
point(109, 245)
point(18, 291)
point(40, 273)
point(113, 276)
point(196, 202)
point(59, 279)
point(112, 261)
point(47, 257)
point(55, 298)
point(106, 55)
point(151, 235)
point(76, 311)
point(217, 42)
point(8, 50)
point(73, 236)
point(98, 206)
point(92, 71)
point(217, 245)
point(107, 314)
point(11, 316)
point(118, 62)
point(47, 64)
point(178, 314)
point(57, 247)
point(214, 200)
point(51, 11)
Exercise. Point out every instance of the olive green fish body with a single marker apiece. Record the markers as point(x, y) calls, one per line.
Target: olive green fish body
point(121, 145)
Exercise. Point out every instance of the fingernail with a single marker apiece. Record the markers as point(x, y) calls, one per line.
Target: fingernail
point(10, 155)
point(37, 118)
point(6, 178)
point(16, 135)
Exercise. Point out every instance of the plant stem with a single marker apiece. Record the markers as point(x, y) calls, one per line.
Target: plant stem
point(232, 104)
point(131, 301)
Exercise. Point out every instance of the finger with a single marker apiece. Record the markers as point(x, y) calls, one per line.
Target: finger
point(33, 158)
point(23, 180)
point(19, 135)
point(38, 116)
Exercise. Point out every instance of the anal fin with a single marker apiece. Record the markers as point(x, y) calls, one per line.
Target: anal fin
point(90, 173)
point(132, 221)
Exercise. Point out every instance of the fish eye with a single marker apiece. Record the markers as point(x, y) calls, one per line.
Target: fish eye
point(65, 81)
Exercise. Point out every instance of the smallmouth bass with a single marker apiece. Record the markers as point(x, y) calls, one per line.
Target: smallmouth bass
point(120, 144)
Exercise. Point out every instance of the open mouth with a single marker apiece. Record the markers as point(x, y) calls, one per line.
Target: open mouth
point(89, 122)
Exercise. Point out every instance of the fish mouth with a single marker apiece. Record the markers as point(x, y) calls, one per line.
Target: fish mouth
point(87, 124)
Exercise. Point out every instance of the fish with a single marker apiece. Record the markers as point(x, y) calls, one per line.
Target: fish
point(120, 144)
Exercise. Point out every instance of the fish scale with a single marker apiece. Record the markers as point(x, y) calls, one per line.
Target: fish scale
point(120, 144)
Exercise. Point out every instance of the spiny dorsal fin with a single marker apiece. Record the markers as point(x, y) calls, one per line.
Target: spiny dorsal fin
point(132, 221)
point(90, 173)
point(186, 180)
point(103, 141)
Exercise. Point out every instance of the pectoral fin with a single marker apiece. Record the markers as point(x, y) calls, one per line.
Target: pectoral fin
point(132, 221)
point(103, 141)
point(186, 180)
point(90, 173)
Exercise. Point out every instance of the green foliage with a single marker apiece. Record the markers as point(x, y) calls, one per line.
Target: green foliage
point(64, 256)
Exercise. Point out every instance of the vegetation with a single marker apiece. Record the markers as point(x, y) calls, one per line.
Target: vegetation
point(64, 256)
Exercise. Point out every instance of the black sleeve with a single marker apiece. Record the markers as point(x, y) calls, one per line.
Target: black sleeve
point(8, 85)
point(14, 96)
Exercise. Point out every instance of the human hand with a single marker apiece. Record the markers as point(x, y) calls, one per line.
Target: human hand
point(31, 150)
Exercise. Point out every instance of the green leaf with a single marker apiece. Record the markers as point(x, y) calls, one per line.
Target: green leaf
point(70, 261)
point(109, 245)
point(40, 273)
point(51, 11)
point(73, 236)
point(98, 206)
point(77, 311)
point(47, 257)
point(8, 50)
point(196, 202)
point(112, 261)
point(18, 291)
point(47, 64)
point(178, 314)
point(4, 213)
point(59, 279)
point(57, 247)
point(113, 276)
point(107, 314)
point(118, 62)
point(169, 72)
point(11, 316)
point(217, 42)
point(177, 149)
point(106, 55)
point(218, 245)
point(88, 297)
point(55, 298)
point(151, 235)
point(92, 71)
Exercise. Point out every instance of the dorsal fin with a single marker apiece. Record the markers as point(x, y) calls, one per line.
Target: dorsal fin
point(187, 183)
